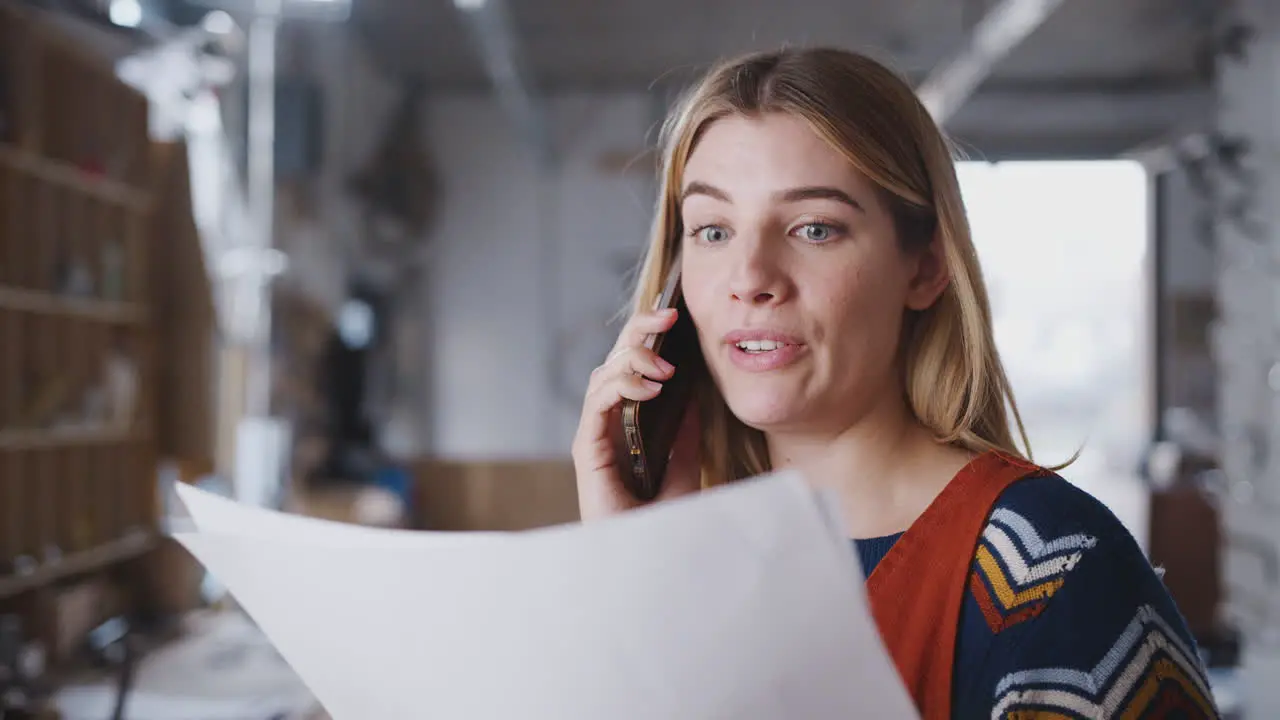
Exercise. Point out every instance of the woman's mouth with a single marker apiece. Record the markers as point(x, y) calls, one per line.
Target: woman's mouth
point(761, 346)
point(762, 351)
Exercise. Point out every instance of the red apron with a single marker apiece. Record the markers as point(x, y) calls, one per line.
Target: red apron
point(917, 589)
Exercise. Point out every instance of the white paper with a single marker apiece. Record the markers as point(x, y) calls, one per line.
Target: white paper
point(744, 602)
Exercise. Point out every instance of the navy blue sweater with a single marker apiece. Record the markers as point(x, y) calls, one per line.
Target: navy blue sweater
point(1064, 617)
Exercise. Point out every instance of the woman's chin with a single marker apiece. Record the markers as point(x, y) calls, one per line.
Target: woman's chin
point(764, 413)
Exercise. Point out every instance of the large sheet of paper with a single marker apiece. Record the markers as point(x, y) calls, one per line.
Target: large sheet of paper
point(745, 602)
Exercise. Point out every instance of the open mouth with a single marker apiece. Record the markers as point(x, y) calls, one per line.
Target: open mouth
point(757, 347)
point(763, 350)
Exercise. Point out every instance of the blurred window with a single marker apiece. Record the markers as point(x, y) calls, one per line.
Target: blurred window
point(1064, 251)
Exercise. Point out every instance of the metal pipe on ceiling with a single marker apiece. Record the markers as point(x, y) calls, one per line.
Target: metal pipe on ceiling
point(489, 24)
point(1005, 26)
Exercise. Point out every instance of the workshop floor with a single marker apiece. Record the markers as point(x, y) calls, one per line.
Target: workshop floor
point(222, 669)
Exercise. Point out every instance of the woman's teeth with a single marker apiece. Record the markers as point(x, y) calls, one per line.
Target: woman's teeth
point(759, 346)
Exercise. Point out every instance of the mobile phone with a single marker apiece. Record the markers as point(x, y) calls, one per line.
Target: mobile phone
point(650, 427)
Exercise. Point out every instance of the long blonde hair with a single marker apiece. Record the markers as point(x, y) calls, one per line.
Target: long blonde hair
point(954, 381)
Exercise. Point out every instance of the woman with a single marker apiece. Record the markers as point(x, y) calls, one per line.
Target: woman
point(827, 264)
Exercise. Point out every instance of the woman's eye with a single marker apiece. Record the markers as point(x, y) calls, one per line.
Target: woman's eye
point(712, 234)
point(817, 232)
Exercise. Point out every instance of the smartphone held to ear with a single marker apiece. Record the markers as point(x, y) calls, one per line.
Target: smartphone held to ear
point(651, 426)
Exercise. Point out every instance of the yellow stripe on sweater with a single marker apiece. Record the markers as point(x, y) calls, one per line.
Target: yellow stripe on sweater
point(1000, 583)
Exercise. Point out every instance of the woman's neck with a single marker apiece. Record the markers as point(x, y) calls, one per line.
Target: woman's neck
point(885, 467)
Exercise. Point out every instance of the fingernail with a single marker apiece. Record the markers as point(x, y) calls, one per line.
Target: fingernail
point(666, 366)
point(652, 384)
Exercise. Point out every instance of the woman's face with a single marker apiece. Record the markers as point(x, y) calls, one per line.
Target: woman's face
point(793, 276)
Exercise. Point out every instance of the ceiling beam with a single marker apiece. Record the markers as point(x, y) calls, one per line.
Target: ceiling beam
point(1000, 147)
point(996, 34)
point(1079, 123)
point(1083, 110)
point(488, 22)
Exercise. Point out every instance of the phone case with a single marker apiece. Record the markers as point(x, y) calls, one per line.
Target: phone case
point(650, 427)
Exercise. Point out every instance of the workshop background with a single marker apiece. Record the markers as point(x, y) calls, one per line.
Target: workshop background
point(356, 258)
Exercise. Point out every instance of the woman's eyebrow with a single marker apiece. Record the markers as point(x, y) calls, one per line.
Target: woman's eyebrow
point(818, 192)
point(814, 192)
point(701, 188)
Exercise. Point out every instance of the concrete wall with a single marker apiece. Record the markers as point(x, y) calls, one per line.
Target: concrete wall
point(1247, 347)
point(525, 274)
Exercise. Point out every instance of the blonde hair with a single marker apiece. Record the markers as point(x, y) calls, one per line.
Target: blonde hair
point(955, 383)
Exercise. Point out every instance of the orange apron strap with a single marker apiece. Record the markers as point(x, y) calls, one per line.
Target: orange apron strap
point(916, 591)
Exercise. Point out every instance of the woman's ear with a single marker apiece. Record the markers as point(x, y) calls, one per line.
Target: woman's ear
point(930, 278)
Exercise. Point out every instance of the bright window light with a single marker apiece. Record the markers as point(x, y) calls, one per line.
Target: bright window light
point(1064, 251)
point(125, 13)
point(218, 23)
point(356, 324)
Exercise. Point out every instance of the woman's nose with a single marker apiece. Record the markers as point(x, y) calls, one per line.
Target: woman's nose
point(756, 277)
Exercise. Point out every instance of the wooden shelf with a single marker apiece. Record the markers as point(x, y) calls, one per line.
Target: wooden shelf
point(14, 440)
point(120, 313)
point(98, 558)
point(69, 177)
point(78, 325)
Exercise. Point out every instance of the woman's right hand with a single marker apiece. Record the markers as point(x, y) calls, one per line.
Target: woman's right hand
point(634, 372)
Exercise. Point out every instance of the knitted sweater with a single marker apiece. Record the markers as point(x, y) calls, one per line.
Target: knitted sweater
point(1064, 617)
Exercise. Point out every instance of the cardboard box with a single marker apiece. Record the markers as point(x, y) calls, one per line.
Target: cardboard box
point(494, 495)
point(350, 503)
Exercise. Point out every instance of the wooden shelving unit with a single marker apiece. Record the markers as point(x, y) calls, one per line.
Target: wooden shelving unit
point(43, 303)
point(105, 555)
point(25, 440)
point(77, 346)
